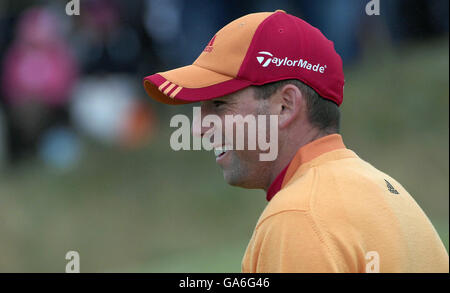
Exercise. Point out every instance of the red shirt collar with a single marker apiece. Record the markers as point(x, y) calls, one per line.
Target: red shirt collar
point(276, 184)
point(304, 154)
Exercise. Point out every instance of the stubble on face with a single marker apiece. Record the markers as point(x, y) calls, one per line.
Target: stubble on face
point(243, 168)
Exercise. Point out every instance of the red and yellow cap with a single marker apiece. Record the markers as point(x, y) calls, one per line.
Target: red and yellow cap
point(255, 49)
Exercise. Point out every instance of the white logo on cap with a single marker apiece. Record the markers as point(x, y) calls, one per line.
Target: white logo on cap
point(303, 63)
point(261, 58)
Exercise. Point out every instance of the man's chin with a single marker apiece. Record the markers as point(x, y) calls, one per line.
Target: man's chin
point(238, 181)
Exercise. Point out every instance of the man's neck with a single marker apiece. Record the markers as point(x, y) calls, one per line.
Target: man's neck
point(288, 151)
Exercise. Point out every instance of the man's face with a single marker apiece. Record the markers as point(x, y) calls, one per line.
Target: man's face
point(240, 167)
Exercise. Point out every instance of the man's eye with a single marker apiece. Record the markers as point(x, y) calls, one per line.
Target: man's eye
point(218, 103)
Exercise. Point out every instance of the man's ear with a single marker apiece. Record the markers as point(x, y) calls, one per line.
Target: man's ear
point(290, 103)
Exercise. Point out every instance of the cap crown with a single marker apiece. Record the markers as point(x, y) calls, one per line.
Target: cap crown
point(230, 45)
point(271, 46)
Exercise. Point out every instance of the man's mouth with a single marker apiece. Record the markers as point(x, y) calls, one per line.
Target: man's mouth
point(221, 151)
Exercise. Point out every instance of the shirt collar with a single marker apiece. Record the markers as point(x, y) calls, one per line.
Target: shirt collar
point(304, 154)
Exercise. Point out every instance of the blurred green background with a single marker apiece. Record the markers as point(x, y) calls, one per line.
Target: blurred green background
point(152, 209)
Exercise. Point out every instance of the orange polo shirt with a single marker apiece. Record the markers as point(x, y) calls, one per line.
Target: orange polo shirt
point(334, 212)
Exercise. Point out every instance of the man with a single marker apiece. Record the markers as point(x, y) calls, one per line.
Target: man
point(328, 210)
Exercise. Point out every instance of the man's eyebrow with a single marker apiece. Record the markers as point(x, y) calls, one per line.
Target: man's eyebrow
point(227, 98)
point(220, 100)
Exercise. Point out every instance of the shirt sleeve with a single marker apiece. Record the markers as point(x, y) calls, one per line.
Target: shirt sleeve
point(288, 242)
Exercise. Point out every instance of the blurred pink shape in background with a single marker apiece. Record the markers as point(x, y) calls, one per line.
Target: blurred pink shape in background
point(39, 64)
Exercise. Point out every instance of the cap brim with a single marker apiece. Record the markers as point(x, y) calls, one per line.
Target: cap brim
point(190, 84)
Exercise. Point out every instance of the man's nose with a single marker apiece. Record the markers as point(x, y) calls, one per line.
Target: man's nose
point(197, 128)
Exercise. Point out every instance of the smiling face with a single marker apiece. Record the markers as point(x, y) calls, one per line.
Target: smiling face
point(240, 167)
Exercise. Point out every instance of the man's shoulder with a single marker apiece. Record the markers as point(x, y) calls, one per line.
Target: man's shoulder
point(328, 189)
